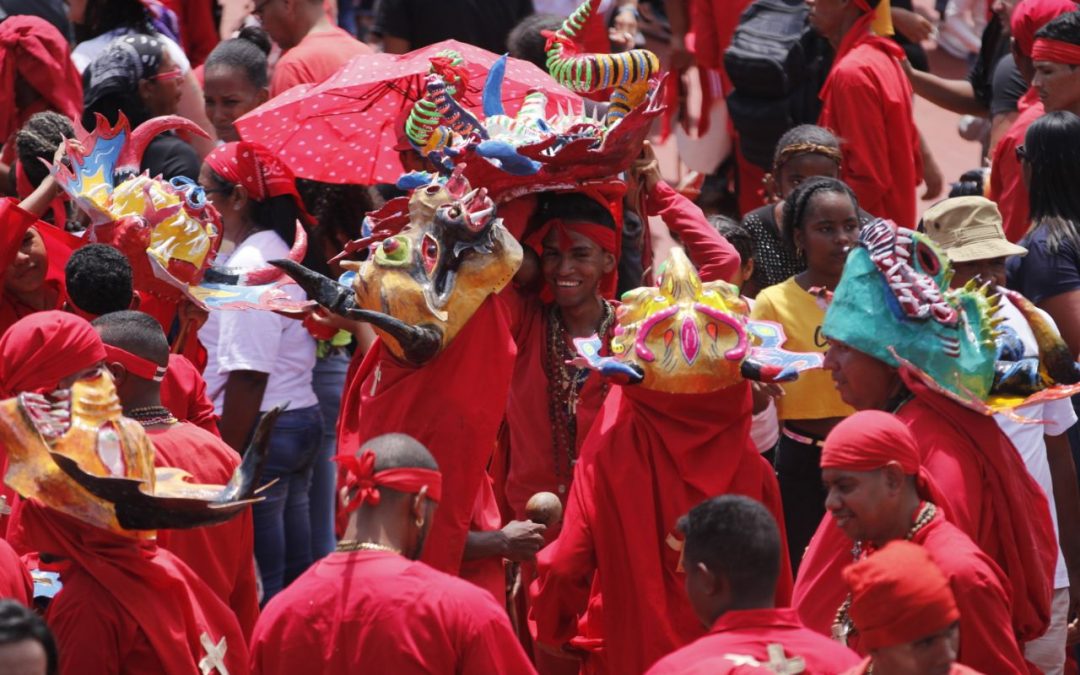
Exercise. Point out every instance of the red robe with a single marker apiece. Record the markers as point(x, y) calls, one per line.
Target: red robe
point(15, 581)
point(990, 496)
point(376, 612)
point(126, 606)
point(487, 573)
point(983, 596)
point(749, 633)
point(648, 460)
point(1007, 186)
point(531, 453)
point(867, 102)
point(183, 392)
point(222, 555)
point(864, 669)
point(453, 405)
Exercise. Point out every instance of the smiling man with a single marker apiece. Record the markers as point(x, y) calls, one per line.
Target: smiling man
point(867, 101)
point(878, 492)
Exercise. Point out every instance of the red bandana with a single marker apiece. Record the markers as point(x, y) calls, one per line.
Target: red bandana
point(45, 347)
point(136, 365)
point(360, 475)
point(1056, 51)
point(604, 237)
point(261, 173)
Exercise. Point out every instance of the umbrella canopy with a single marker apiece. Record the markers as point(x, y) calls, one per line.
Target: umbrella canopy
point(346, 129)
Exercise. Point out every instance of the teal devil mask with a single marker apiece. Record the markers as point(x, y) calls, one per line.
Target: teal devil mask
point(893, 303)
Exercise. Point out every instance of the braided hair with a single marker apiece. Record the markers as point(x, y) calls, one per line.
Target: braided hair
point(38, 139)
point(798, 203)
point(803, 139)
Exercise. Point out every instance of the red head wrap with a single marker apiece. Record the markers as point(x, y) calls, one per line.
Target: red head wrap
point(260, 171)
point(1056, 51)
point(136, 365)
point(1031, 15)
point(41, 349)
point(870, 439)
point(360, 475)
point(899, 595)
point(33, 49)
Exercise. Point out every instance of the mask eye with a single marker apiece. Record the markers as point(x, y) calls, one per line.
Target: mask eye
point(430, 251)
point(928, 261)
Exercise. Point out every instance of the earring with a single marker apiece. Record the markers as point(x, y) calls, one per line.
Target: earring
point(419, 522)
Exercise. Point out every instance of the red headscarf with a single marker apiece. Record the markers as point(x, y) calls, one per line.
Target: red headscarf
point(1056, 51)
point(41, 349)
point(870, 439)
point(1031, 15)
point(33, 49)
point(260, 171)
point(359, 474)
point(891, 605)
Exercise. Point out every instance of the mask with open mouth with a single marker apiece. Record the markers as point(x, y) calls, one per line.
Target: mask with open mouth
point(686, 336)
point(74, 452)
point(168, 230)
point(432, 263)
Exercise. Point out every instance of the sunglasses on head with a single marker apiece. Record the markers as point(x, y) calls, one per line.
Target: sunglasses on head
point(167, 75)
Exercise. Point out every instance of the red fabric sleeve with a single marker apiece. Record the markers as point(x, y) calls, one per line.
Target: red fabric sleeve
point(1007, 177)
point(198, 31)
point(565, 569)
point(286, 76)
point(244, 600)
point(987, 643)
point(713, 256)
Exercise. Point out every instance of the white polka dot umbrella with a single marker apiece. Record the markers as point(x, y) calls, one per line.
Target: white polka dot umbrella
point(346, 129)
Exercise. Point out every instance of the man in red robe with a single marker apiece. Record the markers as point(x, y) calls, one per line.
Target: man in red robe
point(1007, 186)
point(370, 606)
point(655, 451)
point(222, 555)
point(907, 621)
point(878, 493)
point(867, 102)
point(732, 561)
point(126, 604)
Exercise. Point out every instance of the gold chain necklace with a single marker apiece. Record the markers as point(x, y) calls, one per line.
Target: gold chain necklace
point(347, 545)
point(843, 627)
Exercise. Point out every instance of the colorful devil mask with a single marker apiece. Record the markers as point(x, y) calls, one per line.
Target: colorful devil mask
point(76, 454)
point(690, 337)
point(892, 303)
point(430, 266)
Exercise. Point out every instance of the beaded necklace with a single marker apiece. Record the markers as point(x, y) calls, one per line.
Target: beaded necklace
point(151, 415)
point(565, 382)
point(843, 627)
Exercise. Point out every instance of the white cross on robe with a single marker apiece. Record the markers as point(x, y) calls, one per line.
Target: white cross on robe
point(214, 661)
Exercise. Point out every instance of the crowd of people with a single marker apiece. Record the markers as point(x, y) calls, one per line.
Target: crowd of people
point(508, 400)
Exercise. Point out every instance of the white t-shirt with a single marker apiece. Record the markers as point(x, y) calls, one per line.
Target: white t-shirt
point(1028, 438)
point(260, 340)
point(765, 427)
point(87, 51)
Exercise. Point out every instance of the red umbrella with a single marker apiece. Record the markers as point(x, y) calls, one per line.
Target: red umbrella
point(345, 129)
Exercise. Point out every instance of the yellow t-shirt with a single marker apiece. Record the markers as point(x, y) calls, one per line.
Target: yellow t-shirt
point(813, 395)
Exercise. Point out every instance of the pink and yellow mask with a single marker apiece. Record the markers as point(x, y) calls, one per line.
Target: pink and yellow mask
point(75, 453)
point(686, 336)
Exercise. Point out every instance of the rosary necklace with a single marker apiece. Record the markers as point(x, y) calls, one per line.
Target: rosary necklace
point(151, 415)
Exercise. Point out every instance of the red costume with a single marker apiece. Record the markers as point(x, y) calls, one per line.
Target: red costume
point(649, 458)
point(1006, 173)
point(315, 58)
point(15, 581)
point(740, 636)
point(128, 606)
point(867, 102)
point(385, 395)
point(183, 392)
point(375, 611)
point(532, 447)
point(35, 54)
point(221, 555)
point(985, 491)
point(198, 29)
point(895, 607)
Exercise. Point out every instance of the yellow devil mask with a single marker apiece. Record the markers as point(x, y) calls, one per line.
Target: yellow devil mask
point(431, 264)
point(76, 454)
point(688, 337)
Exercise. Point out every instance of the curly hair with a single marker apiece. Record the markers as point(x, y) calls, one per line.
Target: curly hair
point(38, 139)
